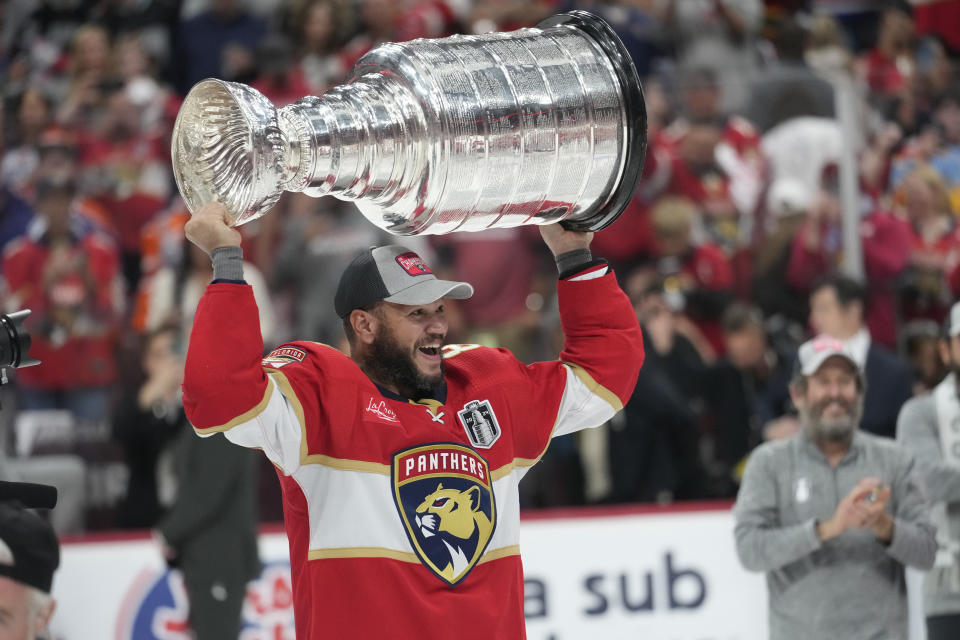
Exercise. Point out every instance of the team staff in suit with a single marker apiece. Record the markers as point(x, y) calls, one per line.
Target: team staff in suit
point(837, 306)
point(210, 531)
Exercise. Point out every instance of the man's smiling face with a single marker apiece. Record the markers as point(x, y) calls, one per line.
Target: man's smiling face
point(406, 350)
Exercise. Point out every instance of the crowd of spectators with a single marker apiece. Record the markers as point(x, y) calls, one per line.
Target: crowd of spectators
point(729, 250)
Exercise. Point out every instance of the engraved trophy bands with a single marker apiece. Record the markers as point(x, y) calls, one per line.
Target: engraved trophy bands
point(463, 133)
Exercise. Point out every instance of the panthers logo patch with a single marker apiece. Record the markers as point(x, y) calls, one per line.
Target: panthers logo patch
point(283, 356)
point(445, 499)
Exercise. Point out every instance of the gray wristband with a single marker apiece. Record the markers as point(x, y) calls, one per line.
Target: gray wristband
point(227, 263)
point(570, 260)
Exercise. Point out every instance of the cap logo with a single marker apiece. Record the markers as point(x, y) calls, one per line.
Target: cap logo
point(827, 344)
point(413, 264)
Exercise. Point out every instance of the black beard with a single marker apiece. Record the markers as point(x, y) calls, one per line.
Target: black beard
point(387, 362)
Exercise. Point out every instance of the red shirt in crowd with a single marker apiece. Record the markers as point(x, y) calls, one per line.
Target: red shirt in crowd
point(131, 182)
point(705, 277)
point(882, 74)
point(76, 308)
point(631, 238)
point(931, 290)
point(723, 187)
point(940, 18)
point(886, 250)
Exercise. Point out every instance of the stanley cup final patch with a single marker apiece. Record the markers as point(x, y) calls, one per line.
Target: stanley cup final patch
point(480, 422)
point(445, 499)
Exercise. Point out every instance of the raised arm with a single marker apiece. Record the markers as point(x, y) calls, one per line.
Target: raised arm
point(226, 389)
point(603, 348)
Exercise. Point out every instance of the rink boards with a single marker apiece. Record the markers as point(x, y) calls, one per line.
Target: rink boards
point(612, 573)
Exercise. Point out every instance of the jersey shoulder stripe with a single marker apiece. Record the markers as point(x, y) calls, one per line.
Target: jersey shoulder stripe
point(595, 387)
point(247, 416)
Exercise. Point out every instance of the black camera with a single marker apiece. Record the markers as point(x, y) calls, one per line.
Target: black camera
point(14, 343)
point(29, 494)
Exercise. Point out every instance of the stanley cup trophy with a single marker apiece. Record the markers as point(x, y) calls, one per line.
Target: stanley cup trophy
point(463, 133)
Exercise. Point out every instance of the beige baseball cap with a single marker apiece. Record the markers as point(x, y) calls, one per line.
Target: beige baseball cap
point(813, 353)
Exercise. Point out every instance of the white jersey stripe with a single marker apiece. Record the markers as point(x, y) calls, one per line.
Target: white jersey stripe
point(591, 275)
point(585, 404)
point(362, 505)
point(278, 429)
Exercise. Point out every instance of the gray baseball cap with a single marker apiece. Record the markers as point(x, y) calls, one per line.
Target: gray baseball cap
point(813, 353)
point(395, 274)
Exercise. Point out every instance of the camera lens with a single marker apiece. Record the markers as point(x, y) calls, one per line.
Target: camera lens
point(15, 341)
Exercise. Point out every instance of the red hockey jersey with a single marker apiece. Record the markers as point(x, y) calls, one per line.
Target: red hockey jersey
point(403, 518)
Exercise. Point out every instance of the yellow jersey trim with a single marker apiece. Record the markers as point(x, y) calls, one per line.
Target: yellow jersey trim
point(595, 387)
point(502, 552)
point(363, 552)
point(336, 463)
point(247, 416)
point(402, 556)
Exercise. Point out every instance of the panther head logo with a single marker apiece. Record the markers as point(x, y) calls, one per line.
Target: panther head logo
point(444, 496)
point(455, 517)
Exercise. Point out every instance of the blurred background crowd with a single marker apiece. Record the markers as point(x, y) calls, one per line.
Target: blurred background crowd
point(769, 124)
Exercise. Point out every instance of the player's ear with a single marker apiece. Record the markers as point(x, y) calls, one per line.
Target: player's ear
point(364, 325)
point(474, 494)
point(44, 615)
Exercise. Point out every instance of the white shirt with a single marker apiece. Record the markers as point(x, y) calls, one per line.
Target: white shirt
point(859, 345)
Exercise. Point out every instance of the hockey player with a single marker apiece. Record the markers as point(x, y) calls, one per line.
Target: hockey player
point(399, 465)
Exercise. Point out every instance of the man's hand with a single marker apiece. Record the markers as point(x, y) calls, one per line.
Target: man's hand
point(854, 510)
point(163, 383)
point(560, 241)
point(876, 516)
point(209, 228)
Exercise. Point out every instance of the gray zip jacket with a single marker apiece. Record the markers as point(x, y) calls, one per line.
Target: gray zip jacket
point(918, 430)
point(851, 586)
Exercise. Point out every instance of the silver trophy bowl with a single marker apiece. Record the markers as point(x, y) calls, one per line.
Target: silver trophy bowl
point(465, 133)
